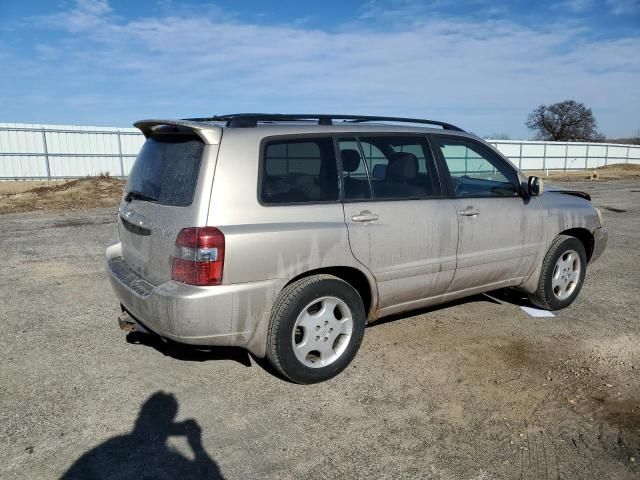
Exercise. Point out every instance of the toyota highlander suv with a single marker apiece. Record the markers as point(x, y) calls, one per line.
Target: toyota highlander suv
point(286, 234)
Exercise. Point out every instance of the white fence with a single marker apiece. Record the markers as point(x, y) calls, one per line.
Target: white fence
point(64, 151)
point(30, 151)
point(530, 155)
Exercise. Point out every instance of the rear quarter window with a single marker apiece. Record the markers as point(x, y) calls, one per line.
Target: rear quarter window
point(167, 169)
point(301, 170)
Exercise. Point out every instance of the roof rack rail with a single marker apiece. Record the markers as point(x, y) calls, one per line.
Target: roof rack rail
point(252, 119)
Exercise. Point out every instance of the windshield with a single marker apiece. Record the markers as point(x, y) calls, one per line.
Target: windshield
point(166, 170)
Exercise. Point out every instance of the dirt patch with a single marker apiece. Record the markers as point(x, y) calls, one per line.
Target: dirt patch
point(90, 192)
point(17, 186)
point(582, 382)
point(618, 171)
point(520, 353)
point(80, 223)
point(623, 414)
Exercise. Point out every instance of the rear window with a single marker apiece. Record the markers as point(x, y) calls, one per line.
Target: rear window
point(299, 171)
point(166, 169)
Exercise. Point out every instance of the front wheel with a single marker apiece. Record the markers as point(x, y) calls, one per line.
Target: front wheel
point(562, 274)
point(316, 329)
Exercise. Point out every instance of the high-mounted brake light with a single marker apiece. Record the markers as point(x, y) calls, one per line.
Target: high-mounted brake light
point(199, 256)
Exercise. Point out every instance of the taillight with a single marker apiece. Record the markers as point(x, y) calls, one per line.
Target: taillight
point(199, 256)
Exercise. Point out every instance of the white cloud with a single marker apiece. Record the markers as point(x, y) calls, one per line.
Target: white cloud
point(577, 6)
point(86, 14)
point(93, 7)
point(485, 74)
point(624, 7)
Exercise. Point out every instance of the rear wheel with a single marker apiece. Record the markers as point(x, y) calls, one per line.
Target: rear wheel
point(562, 274)
point(316, 328)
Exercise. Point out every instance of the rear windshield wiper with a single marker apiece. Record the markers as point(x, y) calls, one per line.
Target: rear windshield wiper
point(140, 196)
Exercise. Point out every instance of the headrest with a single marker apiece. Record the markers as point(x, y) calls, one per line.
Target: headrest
point(379, 171)
point(350, 160)
point(403, 165)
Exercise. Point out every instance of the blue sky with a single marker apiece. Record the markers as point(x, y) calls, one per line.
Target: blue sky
point(481, 65)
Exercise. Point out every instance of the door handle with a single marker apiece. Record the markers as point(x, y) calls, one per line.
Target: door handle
point(365, 216)
point(469, 212)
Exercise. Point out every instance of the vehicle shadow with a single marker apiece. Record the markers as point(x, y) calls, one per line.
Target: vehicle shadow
point(497, 297)
point(144, 452)
point(189, 353)
point(508, 295)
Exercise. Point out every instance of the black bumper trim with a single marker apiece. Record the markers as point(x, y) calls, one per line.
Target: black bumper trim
point(121, 271)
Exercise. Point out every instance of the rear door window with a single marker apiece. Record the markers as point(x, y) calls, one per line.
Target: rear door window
point(300, 170)
point(166, 169)
point(400, 167)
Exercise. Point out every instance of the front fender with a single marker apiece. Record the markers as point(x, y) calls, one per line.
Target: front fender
point(561, 212)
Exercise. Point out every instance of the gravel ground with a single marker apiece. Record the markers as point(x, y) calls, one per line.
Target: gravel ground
point(471, 390)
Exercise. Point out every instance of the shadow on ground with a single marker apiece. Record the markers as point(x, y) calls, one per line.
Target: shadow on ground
point(497, 297)
point(189, 353)
point(508, 295)
point(144, 453)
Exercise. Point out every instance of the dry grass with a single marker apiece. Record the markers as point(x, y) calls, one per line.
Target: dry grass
point(90, 192)
point(17, 186)
point(617, 171)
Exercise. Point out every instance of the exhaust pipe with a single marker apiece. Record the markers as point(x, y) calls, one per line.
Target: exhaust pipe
point(128, 324)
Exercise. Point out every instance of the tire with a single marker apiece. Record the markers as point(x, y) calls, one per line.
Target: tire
point(316, 329)
point(562, 274)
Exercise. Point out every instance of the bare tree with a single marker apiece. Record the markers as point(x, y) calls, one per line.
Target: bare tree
point(567, 121)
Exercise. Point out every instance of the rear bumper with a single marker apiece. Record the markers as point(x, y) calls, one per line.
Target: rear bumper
point(218, 315)
point(600, 238)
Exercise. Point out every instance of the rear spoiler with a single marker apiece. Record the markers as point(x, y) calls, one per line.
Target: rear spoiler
point(208, 132)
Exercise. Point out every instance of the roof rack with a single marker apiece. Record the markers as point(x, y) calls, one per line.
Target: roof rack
point(252, 119)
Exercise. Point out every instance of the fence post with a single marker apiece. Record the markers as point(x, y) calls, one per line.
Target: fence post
point(586, 159)
point(566, 153)
point(120, 154)
point(606, 155)
point(520, 158)
point(46, 153)
point(628, 151)
point(544, 156)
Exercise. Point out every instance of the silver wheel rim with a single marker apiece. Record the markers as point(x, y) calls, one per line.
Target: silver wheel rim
point(566, 275)
point(322, 332)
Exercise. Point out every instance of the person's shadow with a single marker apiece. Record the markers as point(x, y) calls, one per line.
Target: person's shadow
point(144, 454)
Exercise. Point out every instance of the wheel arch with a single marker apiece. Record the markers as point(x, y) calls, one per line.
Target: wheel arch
point(364, 285)
point(585, 236)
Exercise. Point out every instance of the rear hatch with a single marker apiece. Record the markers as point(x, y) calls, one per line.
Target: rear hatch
point(168, 189)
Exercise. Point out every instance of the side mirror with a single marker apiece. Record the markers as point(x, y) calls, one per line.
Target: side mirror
point(535, 186)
